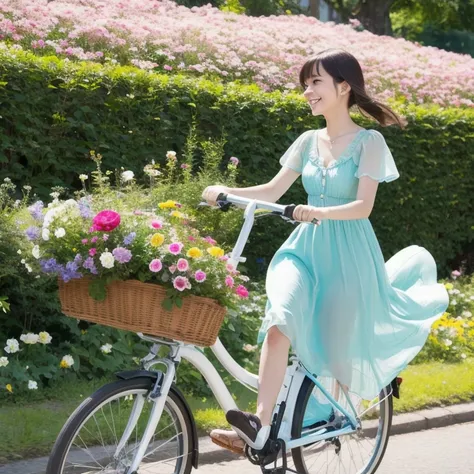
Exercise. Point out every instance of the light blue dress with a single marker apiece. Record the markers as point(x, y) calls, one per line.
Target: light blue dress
point(348, 314)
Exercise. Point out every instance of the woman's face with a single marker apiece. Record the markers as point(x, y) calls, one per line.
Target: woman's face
point(321, 93)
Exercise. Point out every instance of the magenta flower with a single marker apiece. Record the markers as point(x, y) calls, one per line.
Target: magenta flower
point(106, 221)
point(229, 281)
point(92, 252)
point(182, 265)
point(94, 239)
point(155, 265)
point(156, 224)
point(224, 258)
point(181, 283)
point(191, 238)
point(242, 291)
point(105, 237)
point(200, 276)
point(184, 166)
point(122, 255)
point(210, 240)
point(85, 241)
point(175, 248)
point(230, 268)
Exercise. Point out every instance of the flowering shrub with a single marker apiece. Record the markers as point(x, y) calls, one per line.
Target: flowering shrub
point(452, 336)
point(268, 51)
point(104, 235)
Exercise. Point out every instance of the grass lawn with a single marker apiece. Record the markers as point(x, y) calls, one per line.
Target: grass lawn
point(30, 428)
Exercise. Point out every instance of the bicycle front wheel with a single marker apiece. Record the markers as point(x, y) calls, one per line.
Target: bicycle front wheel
point(103, 434)
point(358, 453)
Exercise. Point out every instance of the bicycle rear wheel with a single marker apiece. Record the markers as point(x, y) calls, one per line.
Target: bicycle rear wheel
point(96, 439)
point(358, 453)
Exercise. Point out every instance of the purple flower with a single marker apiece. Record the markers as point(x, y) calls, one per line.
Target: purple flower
point(32, 233)
point(129, 238)
point(234, 160)
point(49, 266)
point(78, 259)
point(122, 255)
point(184, 166)
point(70, 272)
point(84, 208)
point(36, 210)
point(89, 265)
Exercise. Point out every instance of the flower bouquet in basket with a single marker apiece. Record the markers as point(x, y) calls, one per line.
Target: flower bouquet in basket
point(143, 270)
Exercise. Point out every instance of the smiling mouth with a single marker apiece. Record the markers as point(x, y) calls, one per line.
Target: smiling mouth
point(314, 101)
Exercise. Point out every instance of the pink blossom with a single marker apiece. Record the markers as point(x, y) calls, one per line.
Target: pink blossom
point(175, 248)
point(200, 276)
point(210, 240)
point(106, 221)
point(156, 224)
point(92, 251)
point(230, 268)
point(229, 281)
point(242, 291)
point(155, 265)
point(105, 237)
point(182, 265)
point(181, 283)
point(224, 258)
point(94, 239)
point(172, 268)
point(191, 238)
point(455, 274)
point(234, 160)
point(138, 213)
point(167, 68)
point(85, 241)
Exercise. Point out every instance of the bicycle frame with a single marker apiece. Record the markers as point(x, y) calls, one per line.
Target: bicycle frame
point(293, 380)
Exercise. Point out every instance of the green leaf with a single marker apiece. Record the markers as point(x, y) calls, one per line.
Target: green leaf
point(179, 302)
point(98, 290)
point(167, 304)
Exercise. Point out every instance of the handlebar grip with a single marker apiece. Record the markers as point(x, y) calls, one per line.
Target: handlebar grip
point(288, 212)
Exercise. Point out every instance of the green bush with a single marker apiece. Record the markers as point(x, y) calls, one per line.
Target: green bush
point(54, 112)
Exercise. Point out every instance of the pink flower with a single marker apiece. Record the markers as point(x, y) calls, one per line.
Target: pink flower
point(200, 276)
point(105, 237)
point(172, 268)
point(138, 213)
point(92, 252)
point(178, 205)
point(242, 291)
point(85, 241)
point(191, 238)
point(175, 248)
point(167, 68)
point(183, 265)
point(156, 224)
point(224, 258)
point(234, 160)
point(181, 283)
point(229, 281)
point(106, 221)
point(210, 240)
point(94, 239)
point(455, 274)
point(155, 265)
point(230, 268)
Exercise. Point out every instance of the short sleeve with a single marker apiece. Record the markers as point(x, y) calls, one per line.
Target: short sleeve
point(294, 156)
point(376, 160)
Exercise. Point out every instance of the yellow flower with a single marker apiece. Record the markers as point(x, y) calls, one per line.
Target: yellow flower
point(448, 286)
point(74, 250)
point(216, 251)
point(166, 205)
point(9, 388)
point(83, 331)
point(63, 365)
point(194, 253)
point(157, 240)
point(177, 214)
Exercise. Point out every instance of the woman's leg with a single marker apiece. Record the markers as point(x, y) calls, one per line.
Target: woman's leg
point(273, 364)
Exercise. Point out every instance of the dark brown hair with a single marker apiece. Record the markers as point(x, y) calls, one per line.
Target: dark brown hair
point(343, 66)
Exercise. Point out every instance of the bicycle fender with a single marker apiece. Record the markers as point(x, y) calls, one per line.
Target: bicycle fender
point(132, 374)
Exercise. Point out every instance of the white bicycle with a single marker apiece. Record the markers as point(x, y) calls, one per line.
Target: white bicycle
point(142, 423)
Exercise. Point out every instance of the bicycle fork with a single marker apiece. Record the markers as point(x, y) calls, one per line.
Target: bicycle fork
point(158, 396)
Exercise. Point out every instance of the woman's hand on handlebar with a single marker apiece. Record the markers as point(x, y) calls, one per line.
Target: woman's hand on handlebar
point(304, 213)
point(211, 192)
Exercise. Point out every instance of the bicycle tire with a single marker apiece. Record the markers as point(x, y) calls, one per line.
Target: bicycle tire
point(80, 416)
point(384, 430)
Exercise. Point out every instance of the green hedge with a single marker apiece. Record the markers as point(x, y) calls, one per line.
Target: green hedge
point(54, 112)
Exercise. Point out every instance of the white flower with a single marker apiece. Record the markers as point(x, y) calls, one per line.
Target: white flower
point(12, 346)
point(127, 176)
point(23, 261)
point(36, 251)
point(171, 155)
point(28, 267)
point(45, 234)
point(106, 348)
point(83, 177)
point(29, 338)
point(60, 232)
point(471, 297)
point(54, 195)
point(44, 338)
point(18, 252)
point(32, 385)
point(249, 348)
point(4, 361)
point(467, 314)
point(448, 342)
point(454, 302)
point(67, 361)
point(107, 260)
point(455, 291)
point(463, 356)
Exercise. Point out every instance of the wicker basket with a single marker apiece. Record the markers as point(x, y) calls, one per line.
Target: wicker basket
point(136, 306)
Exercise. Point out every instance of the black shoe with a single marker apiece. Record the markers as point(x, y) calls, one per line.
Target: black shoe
point(249, 428)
